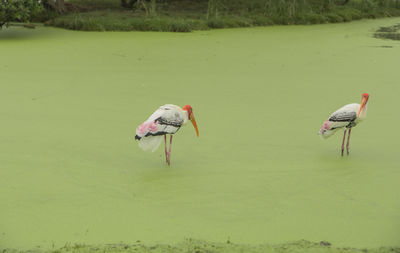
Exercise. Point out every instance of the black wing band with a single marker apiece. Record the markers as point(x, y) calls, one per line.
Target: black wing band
point(155, 134)
point(163, 121)
point(343, 117)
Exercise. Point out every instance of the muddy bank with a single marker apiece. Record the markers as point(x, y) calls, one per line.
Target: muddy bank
point(199, 246)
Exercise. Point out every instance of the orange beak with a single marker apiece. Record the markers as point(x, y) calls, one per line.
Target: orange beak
point(194, 124)
point(363, 103)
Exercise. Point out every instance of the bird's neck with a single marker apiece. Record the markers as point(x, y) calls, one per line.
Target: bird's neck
point(186, 116)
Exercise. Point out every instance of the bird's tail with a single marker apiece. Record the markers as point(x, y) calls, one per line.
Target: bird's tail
point(150, 143)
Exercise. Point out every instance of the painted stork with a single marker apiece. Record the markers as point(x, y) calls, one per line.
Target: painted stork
point(166, 120)
point(346, 117)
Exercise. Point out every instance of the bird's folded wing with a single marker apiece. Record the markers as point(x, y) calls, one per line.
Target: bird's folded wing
point(160, 122)
point(343, 116)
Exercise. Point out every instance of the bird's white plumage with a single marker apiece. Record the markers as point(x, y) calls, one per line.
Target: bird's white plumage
point(150, 143)
point(165, 120)
point(342, 117)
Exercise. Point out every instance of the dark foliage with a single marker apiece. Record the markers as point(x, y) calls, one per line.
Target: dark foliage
point(18, 10)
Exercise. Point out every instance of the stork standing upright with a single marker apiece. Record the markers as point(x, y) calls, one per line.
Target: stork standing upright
point(166, 120)
point(346, 117)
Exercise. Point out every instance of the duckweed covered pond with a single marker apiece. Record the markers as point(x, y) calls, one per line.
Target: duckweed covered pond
point(70, 171)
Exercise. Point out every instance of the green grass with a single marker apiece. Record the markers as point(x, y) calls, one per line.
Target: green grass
point(126, 21)
point(97, 4)
point(186, 16)
point(122, 20)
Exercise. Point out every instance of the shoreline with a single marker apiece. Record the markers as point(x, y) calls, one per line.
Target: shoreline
point(193, 245)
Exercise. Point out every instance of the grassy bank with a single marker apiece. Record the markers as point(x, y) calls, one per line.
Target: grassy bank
point(186, 16)
point(203, 246)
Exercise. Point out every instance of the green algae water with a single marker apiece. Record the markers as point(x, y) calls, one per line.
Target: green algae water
point(71, 172)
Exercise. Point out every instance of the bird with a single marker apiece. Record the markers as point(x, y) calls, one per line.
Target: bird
point(346, 117)
point(168, 119)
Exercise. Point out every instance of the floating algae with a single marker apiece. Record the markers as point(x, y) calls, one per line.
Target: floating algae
point(70, 171)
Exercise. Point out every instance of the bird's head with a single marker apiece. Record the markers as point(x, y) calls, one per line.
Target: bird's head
point(190, 114)
point(364, 100)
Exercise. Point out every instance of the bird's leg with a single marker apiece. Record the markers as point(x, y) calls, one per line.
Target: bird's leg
point(344, 137)
point(169, 153)
point(166, 153)
point(348, 141)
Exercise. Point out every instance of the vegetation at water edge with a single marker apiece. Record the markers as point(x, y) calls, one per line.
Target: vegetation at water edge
point(189, 15)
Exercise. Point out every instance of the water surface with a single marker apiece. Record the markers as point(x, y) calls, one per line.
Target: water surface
point(70, 170)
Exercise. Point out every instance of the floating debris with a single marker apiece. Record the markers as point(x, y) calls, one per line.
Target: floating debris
point(389, 32)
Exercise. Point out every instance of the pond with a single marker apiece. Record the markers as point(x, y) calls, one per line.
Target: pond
point(71, 171)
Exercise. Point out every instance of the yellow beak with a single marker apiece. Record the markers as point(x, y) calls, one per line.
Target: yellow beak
point(363, 103)
point(194, 124)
